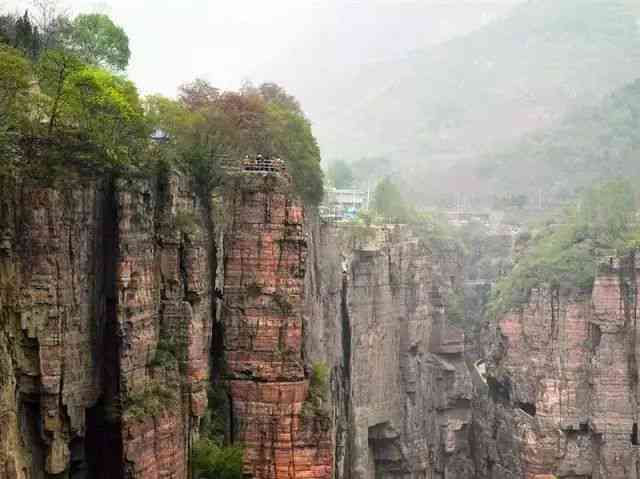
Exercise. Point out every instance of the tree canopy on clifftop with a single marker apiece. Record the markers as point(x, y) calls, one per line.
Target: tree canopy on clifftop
point(206, 125)
point(60, 90)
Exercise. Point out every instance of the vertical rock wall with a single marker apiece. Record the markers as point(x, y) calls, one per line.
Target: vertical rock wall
point(106, 313)
point(400, 382)
point(568, 366)
point(265, 259)
point(93, 278)
point(163, 319)
point(51, 279)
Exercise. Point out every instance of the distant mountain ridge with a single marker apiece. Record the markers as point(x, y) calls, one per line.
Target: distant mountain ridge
point(481, 91)
point(591, 144)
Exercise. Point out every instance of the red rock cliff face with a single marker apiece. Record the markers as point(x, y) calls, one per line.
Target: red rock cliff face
point(265, 253)
point(51, 272)
point(95, 280)
point(164, 322)
point(570, 367)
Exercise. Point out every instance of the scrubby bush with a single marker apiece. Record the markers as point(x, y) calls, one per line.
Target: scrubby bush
point(565, 253)
point(318, 396)
point(212, 461)
point(155, 398)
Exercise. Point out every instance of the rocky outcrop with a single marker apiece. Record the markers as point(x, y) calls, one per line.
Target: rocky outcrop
point(400, 383)
point(51, 276)
point(163, 317)
point(108, 301)
point(265, 260)
point(567, 365)
point(96, 280)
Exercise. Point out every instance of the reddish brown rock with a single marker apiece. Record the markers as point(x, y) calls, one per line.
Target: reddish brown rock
point(571, 364)
point(264, 270)
point(93, 277)
point(164, 301)
point(50, 275)
point(401, 387)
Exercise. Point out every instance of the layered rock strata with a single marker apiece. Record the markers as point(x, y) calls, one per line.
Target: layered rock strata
point(567, 364)
point(95, 281)
point(400, 382)
point(265, 261)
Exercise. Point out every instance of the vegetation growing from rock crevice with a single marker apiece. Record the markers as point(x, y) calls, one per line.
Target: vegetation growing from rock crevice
point(211, 458)
point(316, 404)
point(166, 355)
point(152, 400)
point(565, 252)
point(186, 222)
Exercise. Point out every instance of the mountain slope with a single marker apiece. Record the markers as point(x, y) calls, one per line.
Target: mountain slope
point(515, 75)
point(591, 144)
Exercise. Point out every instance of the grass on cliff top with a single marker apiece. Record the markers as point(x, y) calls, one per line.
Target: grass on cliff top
point(564, 253)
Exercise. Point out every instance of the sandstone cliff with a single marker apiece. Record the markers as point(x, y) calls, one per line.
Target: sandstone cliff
point(108, 312)
point(265, 252)
point(400, 383)
point(111, 293)
point(104, 338)
point(564, 380)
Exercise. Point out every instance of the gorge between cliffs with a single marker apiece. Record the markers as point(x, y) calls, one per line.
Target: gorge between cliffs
point(132, 313)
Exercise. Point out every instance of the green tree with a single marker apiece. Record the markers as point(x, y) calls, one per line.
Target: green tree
point(53, 72)
point(15, 79)
point(96, 40)
point(216, 124)
point(605, 211)
point(293, 140)
point(340, 174)
point(195, 140)
point(27, 37)
point(92, 106)
point(106, 109)
point(389, 202)
point(565, 253)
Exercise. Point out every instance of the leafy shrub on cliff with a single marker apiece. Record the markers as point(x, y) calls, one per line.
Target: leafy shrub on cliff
point(212, 461)
point(565, 253)
point(166, 355)
point(186, 222)
point(58, 107)
point(213, 425)
point(155, 398)
point(91, 105)
point(434, 230)
point(15, 74)
point(316, 402)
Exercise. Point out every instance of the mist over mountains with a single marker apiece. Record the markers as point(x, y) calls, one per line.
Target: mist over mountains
point(525, 70)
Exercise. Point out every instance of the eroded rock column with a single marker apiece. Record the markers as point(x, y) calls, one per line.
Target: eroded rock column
point(264, 270)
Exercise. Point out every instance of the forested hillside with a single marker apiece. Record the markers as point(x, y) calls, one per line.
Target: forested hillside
point(588, 145)
point(517, 74)
point(67, 107)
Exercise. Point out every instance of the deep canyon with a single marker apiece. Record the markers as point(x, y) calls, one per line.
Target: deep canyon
point(123, 301)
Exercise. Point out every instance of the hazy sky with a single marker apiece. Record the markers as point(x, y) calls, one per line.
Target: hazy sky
point(227, 41)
